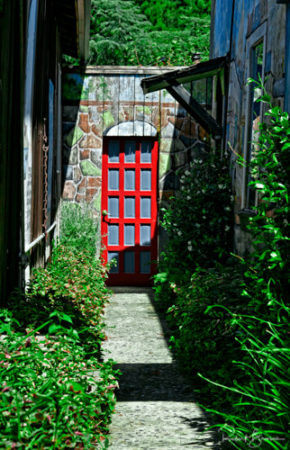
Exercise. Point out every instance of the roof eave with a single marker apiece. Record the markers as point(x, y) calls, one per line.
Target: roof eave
point(202, 70)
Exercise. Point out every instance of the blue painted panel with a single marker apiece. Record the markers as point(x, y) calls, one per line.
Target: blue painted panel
point(129, 234)
point(145, 234)
point(113, 181)
point(114, 151)
point(115, 256)
point(287, 62)
point(129, 207)
point(130, 147)
point(145, 208)
point(113, 234)
point(222, 28)
point(146, 152)
point(129, 262)
point(129, 180)
point(145, 180)
point(113, 207)
point(145, 260)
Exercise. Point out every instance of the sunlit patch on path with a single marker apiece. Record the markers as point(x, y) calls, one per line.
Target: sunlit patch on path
point(155, 407)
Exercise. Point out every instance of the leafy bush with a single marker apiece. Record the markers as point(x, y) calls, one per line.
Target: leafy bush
point(198, 222)
point(57, 392)
point(229, 320)
point(78, 229)
point(198, 330)
point(54, 395)
point(260, 411)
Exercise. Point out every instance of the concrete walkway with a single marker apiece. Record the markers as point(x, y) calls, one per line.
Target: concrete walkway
point(155, 407)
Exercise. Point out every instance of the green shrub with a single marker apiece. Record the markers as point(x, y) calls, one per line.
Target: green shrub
point(198, 223)
point(228, 320)
point(54, 395)
point(57, 392)
point(260, 411)
point(78, 228)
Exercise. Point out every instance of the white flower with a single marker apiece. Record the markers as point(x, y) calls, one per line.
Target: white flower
point(220, 186)
point(189, 248)
point(203, 191)
point(204, 217)
point(187, 173)
point(197, 225)
point(179, 233)
point(188, 197)
point(227, 208)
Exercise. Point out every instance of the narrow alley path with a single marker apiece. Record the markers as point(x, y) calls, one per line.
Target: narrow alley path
point(155, 407)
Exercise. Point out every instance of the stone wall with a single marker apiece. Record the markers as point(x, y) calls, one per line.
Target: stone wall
point(110, 101)
point(252, 20)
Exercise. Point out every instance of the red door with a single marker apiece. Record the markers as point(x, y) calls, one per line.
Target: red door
point(129, 209)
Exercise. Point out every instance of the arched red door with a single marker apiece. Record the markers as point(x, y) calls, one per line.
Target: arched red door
point(129, 209)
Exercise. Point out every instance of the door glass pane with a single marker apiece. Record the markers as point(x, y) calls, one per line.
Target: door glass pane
point(145, 234)
point(146, 152)
point(129, 207)
point(114, 256)
point(145, 180)
point(145, 258)
point(114, 150)
point(113, 234)
point(129, 262)
point(129, 234)
point(113, 206)
point(113, 180)
point(129, 180)
point(145, 207)
point(130, 147)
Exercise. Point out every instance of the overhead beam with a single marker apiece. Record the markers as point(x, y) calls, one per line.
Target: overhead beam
point(196, 110)
point(180, 76)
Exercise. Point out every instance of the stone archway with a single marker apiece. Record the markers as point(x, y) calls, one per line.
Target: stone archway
point(132, 128)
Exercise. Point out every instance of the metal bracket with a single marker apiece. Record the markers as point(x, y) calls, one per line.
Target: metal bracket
point(196, 110)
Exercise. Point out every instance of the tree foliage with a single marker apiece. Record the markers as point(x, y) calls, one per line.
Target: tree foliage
point(166, 32)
